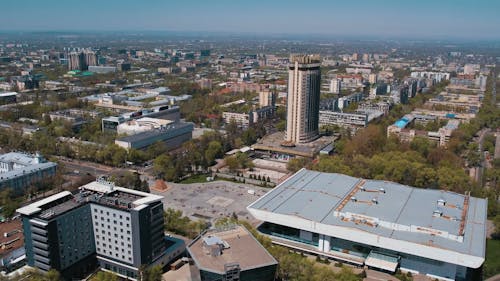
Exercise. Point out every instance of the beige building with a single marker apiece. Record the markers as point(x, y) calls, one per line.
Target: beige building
point(304, 82)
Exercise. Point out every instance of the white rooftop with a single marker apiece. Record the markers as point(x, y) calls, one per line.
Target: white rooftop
point(380, 213)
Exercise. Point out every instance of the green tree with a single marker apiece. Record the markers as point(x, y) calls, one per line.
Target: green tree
point(213, 151)
point(296, 164)
point(249, 136)
point(105, 276)
point(232, 163)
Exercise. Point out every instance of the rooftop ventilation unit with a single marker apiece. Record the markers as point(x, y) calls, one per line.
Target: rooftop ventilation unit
point(381, 190)
point(437, 213)
point(353, 199)
point(362, 188)
point(441, 202)
point(375, 201)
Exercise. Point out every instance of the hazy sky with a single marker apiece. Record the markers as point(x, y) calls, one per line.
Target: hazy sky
point(419, 18)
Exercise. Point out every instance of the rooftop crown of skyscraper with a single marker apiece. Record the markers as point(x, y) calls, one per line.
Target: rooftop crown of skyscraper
point(305, 59)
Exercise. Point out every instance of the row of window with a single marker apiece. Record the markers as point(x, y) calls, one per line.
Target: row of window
point(107, 214)
point(109, 227)
point(129, 258)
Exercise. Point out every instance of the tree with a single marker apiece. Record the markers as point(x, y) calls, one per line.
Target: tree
point(296, 164)
point(368, 142)
point(105, 276)
point(152, 273)
point(232, 163)
point(176, 222)
point(162, 165)
point(213, 151)
point(156, 149)
point(249, 136)
point(137, 156)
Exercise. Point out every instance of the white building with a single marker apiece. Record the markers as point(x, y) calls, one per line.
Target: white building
point(140, 125)
point(335, 86)
point(379, 224)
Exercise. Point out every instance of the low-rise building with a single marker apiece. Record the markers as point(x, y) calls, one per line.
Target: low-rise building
point(8, 97)
point(232, 254)
point(379, 224)
point(102, 68)
point(20, 170)
point(245, 120)
point(173, 135)
point(167, 112)
point(12, 253)
point(140, 125)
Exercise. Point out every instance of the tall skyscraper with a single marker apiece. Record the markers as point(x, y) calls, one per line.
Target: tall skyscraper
point(82, 60)
point(304, 82)
point(76, 61)
point(90, 58)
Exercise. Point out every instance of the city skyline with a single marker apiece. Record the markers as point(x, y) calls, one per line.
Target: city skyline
point(422, 19)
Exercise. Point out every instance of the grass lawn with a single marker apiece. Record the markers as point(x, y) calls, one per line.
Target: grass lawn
point(492, 263)
point(196, 179)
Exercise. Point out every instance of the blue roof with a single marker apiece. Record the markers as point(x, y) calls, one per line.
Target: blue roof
point(401, 123)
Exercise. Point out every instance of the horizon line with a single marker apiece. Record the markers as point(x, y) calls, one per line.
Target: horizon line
point(263, 34)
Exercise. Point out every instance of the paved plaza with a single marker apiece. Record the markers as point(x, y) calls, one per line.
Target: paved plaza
point(211, 200)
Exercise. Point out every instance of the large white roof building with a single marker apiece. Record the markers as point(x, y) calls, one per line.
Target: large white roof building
point(381, 224)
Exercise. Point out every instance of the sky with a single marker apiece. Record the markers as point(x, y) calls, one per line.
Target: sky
point(466, 19)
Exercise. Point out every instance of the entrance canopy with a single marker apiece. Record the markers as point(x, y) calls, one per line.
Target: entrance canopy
point(382, 261)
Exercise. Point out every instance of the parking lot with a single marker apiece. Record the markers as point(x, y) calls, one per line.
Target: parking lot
point(211, 200)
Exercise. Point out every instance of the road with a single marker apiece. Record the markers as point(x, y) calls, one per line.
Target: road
point(480, 140)
point(497, 146)
point(494, 89)
point(85, 167)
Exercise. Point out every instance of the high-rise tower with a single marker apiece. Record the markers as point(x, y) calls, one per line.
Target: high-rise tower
point(304, 82)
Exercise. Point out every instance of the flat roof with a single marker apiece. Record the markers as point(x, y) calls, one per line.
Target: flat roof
point(11, 236)
point(382, 208)
point(8, 94)
point(243, 249)
point(172, 128)
point(273, 142)
point(99, 192)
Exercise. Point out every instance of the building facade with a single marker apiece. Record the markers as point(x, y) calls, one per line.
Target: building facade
point(173, 135)
point(379, 224)
point(304, 83)
point(115, 228)
point(20, 170)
